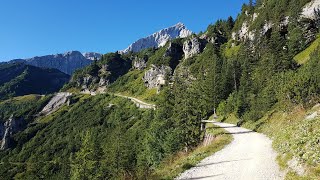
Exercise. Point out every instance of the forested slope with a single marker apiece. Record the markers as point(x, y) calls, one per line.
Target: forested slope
point(244, 68)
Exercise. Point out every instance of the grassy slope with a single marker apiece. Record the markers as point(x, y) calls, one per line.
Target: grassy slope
point(22, 106)
point(304, 56)
point(66, 126)
point(131, 84)
point(172, 166)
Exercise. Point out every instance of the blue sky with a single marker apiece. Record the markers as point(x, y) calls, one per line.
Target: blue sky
point(39, 27)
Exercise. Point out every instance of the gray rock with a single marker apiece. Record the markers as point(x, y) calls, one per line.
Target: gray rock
point(86, 81)
point(159, 38)
point(308, 10)
point(296, 166)
point(156, 76)
point(67, 62)
point(104, 82)
point(174, 50)
point(140, 63)
point(56, 102)
point(192, 47)
point(283, 26)
point(9, 128)
point(92, 55)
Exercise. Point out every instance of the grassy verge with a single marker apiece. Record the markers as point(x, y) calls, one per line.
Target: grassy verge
point(304, 56)
point(132, 84)
point(174, 165)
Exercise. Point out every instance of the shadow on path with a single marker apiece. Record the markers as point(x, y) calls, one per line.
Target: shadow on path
point(223, 127)
point(242, 132)
point(203, 177)
point(222, 162)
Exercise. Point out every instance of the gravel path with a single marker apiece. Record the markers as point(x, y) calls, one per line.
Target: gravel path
point(138, 102)
point(248, 157)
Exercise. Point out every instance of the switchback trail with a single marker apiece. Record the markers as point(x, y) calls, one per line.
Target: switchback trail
point(138, 102)
point(248, 157)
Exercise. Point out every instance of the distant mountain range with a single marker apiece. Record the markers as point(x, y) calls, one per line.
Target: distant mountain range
point(70, 61)
point(17, 79)
point(159, 38)
point(67, 62)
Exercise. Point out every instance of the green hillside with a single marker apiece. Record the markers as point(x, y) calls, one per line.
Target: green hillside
point(304, 56)
point(17, 79)
point(248, 69)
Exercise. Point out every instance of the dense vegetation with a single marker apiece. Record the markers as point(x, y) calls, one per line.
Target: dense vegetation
point(17, 79)
point(252, 80)
point(23, 106)
point(96, 137)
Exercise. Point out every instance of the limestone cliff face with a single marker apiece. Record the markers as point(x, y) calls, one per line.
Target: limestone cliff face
point(309, 10)
point(192, 47)
point(159, 38)
point(8, 129)
point(139, 63)
point(175, 51)
point(67, 62)
point(56, 102)
point(156, 76)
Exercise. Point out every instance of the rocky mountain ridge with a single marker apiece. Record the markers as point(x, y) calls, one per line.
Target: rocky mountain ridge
point(66, 62)
point(159, 38)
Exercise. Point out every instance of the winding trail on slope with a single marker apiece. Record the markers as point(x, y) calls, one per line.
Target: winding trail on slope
point(248, 157)
point(138, 102)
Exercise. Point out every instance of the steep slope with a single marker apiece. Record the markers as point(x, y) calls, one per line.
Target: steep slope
point(159, 38)
point(67, 62)
point(19, 79)
point(243, 69)
point(100, 74)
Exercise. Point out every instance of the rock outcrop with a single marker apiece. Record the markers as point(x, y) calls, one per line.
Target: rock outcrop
point(56, 102)
point(159, 38)
point(156, 76)
point(192, 47)
point(309, 10)
point(174, 50)
point(139, 63)
point(9, 128)
point(92, 55)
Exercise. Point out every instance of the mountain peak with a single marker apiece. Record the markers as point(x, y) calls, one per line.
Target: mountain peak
point(159, 38)
point(180, 24)
point(71, 53)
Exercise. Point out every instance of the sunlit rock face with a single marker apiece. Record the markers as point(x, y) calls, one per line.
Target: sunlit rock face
point(159, 38)
point(309, 10)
